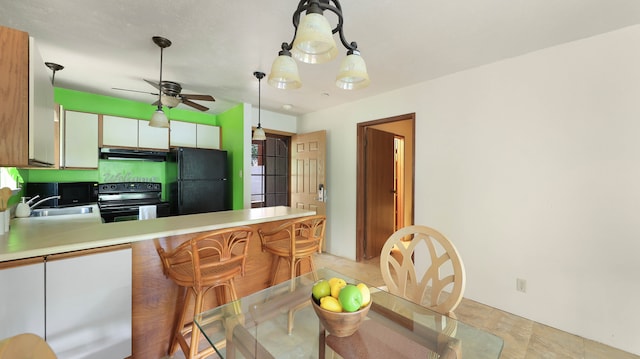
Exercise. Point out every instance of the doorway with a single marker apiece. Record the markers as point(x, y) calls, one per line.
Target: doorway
point(385, 181)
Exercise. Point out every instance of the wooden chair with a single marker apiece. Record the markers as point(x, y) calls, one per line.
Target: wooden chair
point(292, 242)
point(208, 261)
point(420, 264)
point(25, 346)
point(441, 286)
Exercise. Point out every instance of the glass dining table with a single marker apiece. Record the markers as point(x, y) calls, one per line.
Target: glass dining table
point(257, 326)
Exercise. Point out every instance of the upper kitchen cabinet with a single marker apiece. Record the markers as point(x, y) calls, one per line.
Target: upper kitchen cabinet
point(79, 140)
point(131, 133)
point(195, 135)
point(26, 104)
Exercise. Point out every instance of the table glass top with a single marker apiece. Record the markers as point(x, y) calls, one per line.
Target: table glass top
point(257, 326)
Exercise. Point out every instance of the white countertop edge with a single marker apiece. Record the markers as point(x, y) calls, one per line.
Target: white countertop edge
point(109, 234)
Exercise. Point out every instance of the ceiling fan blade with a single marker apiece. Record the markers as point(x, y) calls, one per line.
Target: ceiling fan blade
point(150, 93)
point(198, 97)
point(194, 105)
point(155, 103)
point(154, 84)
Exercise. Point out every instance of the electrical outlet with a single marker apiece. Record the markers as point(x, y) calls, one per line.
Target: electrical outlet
point(521, 285)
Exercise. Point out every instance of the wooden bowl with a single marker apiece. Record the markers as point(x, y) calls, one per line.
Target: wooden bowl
point(340, 324)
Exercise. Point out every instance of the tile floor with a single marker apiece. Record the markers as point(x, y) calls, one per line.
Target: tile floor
point(523, 338)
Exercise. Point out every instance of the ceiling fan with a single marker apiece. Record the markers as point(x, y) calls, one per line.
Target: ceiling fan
point(171, 92)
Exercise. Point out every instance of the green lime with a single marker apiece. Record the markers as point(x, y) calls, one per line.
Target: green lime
point(350, 298)
point(321, 289)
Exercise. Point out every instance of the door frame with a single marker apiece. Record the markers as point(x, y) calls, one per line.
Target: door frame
point(360, 176)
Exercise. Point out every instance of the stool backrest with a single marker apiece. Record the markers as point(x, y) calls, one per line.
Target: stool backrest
point(208, 257)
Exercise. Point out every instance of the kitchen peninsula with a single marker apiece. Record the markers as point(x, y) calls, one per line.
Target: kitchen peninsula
point(154, 297)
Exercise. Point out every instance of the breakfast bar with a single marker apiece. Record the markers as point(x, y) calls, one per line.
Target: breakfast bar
point(153, 297)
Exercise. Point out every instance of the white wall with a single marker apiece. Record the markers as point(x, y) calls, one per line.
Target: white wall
point(531, 166)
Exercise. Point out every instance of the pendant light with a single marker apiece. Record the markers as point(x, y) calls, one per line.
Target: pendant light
point(258, 133)
point(313, 43)
point(159, 119)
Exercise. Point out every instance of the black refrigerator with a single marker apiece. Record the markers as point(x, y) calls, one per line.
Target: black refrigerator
point(198, 181)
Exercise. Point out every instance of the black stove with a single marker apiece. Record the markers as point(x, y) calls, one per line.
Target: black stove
point(121, 201)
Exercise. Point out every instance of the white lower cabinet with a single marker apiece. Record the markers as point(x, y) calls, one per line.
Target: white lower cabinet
point(88, 305)
point(22, 298)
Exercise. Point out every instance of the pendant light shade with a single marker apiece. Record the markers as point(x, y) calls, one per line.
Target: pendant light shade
point(258, 133)
point(159, 119)
point(284, 72)
point(352, 74)
point(314, 43)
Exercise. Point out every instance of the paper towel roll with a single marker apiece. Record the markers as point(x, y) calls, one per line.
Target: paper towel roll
point(147, 212)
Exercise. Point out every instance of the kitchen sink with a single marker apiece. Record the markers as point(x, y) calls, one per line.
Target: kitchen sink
point(48, 212)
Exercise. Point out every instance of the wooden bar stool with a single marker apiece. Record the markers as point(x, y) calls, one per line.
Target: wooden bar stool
point(210, 260)
point(293, 242)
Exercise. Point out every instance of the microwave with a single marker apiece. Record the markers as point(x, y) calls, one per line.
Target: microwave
point(71, 193)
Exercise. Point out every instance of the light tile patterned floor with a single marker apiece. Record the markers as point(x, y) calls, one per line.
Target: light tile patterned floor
point(523, 338)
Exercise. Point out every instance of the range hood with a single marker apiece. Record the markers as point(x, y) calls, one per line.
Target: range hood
point(129, 154)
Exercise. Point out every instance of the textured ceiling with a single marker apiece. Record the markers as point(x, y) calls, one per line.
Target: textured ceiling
point(218, 44)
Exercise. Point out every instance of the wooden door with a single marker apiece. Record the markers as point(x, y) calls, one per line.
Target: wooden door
point(380, 195)
point(308, 163)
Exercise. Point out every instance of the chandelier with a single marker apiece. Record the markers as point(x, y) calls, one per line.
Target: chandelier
point(313, 43)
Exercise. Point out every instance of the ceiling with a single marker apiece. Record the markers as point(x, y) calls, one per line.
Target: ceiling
point(217, 45)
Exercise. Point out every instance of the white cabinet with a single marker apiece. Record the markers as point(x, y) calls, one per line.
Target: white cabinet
point(22, 298)
point(133, 133)
point(208, 136)
point(79, 140)
point(88, 312)
point(119, 132)
point(187, 134)
point(41, 110)
point(152, 137)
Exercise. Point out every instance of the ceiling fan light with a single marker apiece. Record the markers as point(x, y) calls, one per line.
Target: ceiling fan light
point(284, 73)
point(170, 101)
point(258, 134)
point(314, 42)
point(159, 119)
point(352, 74)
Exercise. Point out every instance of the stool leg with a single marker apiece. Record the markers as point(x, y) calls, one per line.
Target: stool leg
point(195, 331)
point(177, 333)
point(275, 267)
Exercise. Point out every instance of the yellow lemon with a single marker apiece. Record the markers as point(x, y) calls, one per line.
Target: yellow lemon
point(331, 304)
point(337, 286)
point(366, 294)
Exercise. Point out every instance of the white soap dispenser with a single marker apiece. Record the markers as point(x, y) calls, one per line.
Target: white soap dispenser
point(23, 209)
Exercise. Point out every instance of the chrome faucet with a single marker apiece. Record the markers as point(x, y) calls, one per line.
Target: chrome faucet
point(24, 208)
point(40, 201)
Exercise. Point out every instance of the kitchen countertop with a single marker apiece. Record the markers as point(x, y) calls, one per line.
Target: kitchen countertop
point(33, 237)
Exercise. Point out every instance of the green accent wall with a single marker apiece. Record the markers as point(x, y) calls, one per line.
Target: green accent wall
point(231, 123)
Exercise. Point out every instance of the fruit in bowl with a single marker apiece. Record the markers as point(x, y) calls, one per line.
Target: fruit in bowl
point(342, 310)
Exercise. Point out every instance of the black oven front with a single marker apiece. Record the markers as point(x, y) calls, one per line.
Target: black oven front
point(122, 201)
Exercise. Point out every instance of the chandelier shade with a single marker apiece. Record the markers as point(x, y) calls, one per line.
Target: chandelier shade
point(314, 43)
point(352, 74)
point(284, 72)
